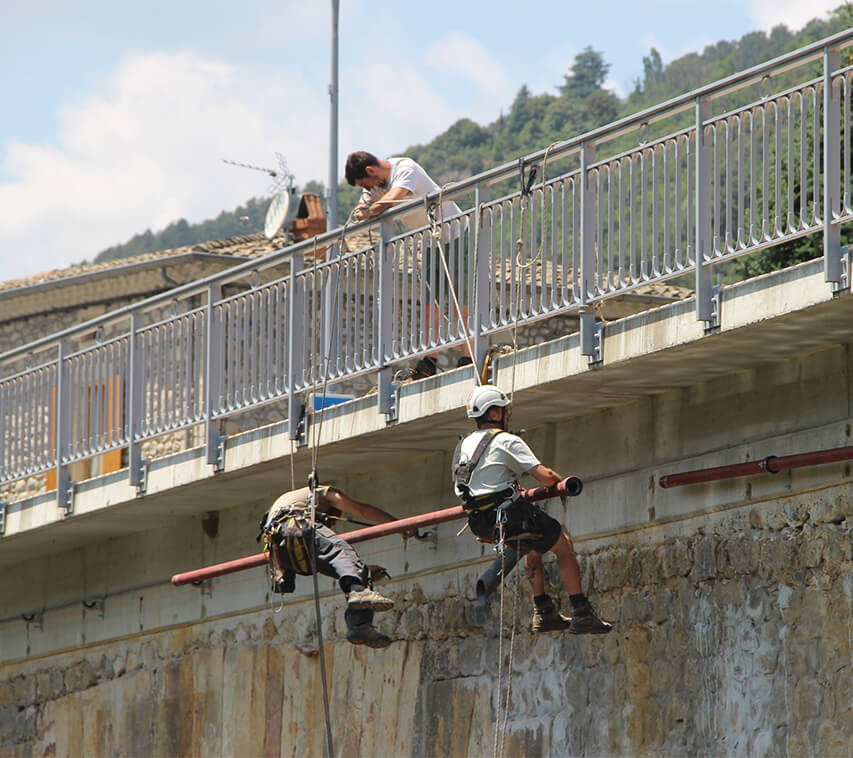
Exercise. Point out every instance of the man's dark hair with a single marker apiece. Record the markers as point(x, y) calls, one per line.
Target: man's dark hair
point(357, 164)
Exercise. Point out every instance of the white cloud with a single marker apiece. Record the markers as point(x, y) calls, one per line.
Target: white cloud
point(388, 106)
point(460, 54)
point(148, 151)
point(792, 13)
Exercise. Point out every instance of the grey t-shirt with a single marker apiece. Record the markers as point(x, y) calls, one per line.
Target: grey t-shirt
point(505, 460)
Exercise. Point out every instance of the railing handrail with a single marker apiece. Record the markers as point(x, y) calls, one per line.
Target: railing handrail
point(612, 130)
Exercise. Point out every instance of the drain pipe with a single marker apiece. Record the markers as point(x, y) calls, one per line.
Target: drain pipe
point(570, 486)
point(772, 464)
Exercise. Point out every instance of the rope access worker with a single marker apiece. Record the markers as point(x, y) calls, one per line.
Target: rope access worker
point(492, 459)
point(286, 530)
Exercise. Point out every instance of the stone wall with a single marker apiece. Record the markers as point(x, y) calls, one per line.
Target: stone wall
point(732, 636)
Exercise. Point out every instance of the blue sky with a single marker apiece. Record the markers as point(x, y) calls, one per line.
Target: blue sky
point(116, 116)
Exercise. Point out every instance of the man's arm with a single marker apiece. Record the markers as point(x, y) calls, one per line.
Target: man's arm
point(544, 475)
point(388, 200)
point(363, 510)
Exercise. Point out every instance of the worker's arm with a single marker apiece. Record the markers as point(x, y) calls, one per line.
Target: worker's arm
point(363, 510)
point(544, 475)
point(388, 200)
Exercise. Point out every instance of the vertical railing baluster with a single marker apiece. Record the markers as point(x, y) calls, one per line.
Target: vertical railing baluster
point(295, 345)
point(831, 175)
point(384, 306)
point(64, 499)
point(135, 378)
point(587, 251)
point(482, 278)
point(702, 227)
point(212, 375)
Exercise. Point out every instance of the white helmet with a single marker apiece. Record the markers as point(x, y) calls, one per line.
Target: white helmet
point(484, 397)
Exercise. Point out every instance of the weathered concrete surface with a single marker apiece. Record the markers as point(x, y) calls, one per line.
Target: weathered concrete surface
point(734, 640)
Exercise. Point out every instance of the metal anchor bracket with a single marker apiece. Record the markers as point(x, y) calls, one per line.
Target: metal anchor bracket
point(220, 454)
point(67, 503)
point(713, 322)
point(843, 286)
point(142, 477)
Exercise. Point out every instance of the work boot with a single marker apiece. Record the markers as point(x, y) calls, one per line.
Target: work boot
point(586, 621)
point(368, 599)
point(546, 618)
point(367, 634)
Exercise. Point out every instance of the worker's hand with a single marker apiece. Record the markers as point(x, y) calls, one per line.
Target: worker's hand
point(361, 212)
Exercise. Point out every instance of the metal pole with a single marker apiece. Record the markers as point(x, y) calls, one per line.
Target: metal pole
point(333, 131)
point(570, 486)
point(772, 464)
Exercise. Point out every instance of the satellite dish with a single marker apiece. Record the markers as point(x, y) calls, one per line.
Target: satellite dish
point(282, 184)
point(277, 213)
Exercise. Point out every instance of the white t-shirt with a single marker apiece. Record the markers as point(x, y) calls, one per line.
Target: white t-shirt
point(409, 175)
point(506, 458)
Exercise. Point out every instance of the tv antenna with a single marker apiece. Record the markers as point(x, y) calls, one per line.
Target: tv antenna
point(280, 189)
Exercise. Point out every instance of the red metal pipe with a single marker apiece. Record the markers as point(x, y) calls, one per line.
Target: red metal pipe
point(769, 465)
point(570, 486)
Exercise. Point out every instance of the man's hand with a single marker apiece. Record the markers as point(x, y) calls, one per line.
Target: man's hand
point(361, 212)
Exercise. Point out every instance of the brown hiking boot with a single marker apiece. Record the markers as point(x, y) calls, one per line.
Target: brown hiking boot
point(586, 621)
point(546, 618)
point(370, 600)
point(367, 634)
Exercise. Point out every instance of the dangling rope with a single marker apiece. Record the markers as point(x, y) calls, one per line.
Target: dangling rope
point(500, 731)
point(314, 479)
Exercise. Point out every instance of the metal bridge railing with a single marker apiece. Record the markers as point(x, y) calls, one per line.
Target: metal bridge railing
point(694, 188)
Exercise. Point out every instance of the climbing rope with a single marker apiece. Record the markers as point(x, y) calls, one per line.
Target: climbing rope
point(313, 480)
point(500, 730)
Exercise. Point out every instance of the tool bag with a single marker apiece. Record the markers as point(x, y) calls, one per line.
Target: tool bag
point(287, 537)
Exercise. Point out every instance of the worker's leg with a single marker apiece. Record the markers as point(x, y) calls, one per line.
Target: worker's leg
point(338, 559)
point(584, 618)
point(567, 564)
point(535, 572)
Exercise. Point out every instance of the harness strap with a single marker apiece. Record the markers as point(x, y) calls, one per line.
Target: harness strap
point(490, 500)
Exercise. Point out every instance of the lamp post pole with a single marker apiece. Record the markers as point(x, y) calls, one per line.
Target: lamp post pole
point(333, 136)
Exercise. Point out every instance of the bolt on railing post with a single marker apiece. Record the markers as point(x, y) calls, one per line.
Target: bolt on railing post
point(212, 375)
point(63, 430)
point(295, 346)
point(482, 280)
point(383, 306)
point(134, 403)
point(832, 265)
point(702, 226)
point(587, 253)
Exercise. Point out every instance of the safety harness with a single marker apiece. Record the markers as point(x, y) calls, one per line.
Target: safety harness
point(287, 535)
point(464, 470)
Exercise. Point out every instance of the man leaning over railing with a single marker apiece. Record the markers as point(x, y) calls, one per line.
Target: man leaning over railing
point(386, 183)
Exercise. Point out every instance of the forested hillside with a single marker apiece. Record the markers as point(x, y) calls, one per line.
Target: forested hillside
point(533, 121)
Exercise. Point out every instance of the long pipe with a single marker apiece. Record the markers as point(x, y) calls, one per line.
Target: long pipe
point(770, 465)
point(570, 486)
